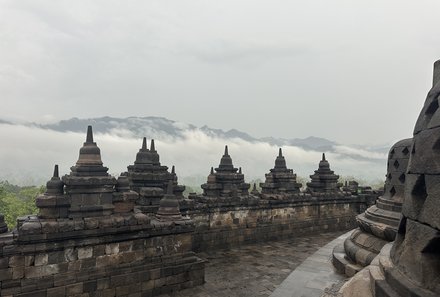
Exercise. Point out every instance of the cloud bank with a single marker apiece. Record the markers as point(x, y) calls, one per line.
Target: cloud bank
point(27, 155)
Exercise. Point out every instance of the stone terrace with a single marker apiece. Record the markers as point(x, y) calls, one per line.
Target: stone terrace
point(254, 269)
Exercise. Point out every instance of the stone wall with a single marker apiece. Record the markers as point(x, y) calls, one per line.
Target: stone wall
point(117, 256)
point(233, 222)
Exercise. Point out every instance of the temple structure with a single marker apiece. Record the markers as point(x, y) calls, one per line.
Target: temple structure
point(226, 181)
point(88, 186)
point(169, 209)
point(324, 180)
point(150, 179)
point(410, 266)
point(90, 240)
point(280, 180)
point(378, 224)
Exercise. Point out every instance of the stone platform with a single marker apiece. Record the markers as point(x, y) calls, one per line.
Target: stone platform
point(314, 275)
point(255, 269)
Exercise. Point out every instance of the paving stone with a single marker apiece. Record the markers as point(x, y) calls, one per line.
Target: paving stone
point(259, 269)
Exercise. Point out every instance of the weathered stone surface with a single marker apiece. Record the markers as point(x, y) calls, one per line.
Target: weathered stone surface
point(150, 179)
point(98, 245)
point(280, 180)
point(378, 224)
point(411, 265)
point(324, 180)
point(226, 181)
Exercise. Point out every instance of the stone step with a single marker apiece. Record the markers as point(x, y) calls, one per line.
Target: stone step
point(342, 263)
point(376, 228)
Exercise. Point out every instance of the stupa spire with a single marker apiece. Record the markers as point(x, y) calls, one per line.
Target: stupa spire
point(89, 156)
point(144, 143)
point(55, 172)
point(89, 138)
point(152, 146)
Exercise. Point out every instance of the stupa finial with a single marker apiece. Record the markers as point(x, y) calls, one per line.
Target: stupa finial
point(55, 171)
point(89, 134)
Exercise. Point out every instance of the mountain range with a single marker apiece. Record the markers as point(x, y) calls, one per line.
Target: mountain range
point(30, 149)
point(158, 127)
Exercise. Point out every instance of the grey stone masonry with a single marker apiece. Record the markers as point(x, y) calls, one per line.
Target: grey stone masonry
point(280, 180)
point(150, 179)
point(378, 224)
point(410, 266)
point(324, 180)
point(226, 181)
point(89, 187)
point(415, 256)
point(89, 239)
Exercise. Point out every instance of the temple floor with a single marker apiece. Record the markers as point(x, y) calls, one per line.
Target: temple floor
point(255, 269)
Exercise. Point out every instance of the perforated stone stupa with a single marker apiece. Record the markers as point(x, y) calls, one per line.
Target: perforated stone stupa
point(378, 224)
point(225, 181)
point(324, 180)
point(414, 266)
point(280, 179)
point(410, 266)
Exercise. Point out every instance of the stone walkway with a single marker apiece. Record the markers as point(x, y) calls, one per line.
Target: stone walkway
point(314, 275)
point(256, 269)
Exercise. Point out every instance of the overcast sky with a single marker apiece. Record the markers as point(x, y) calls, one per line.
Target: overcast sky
point(354, 71)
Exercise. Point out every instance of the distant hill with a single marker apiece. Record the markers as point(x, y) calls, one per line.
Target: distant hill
point(31, 149)
point(158, 127)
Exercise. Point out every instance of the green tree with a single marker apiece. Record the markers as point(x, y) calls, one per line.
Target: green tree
point(17, 201)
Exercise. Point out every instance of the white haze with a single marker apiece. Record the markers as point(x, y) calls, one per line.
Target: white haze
point(27, 155)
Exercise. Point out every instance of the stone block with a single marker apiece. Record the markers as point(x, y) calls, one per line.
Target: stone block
point(41, 259)
point(16, 261)
point(29, 260)
point(70, 254)
point(85, 252)
point(89, 286)
point(91, 223)
point(111, 249)
point(56, 292)
point(4, 262)
point(103, 283)
point(425, 156)
point(18, 272)
point(73, 289)
point(430, 212)
point(5, 274)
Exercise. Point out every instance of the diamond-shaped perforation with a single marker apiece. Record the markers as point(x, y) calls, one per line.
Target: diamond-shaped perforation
point(393, 191)
point(419, 190)
point(392, 154)
point(432, 108)
point(396, 164)
point(405, 151)
point(389, 176)
point(402, 178)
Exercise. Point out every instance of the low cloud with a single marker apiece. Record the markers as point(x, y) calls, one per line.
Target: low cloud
point(27, 155)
